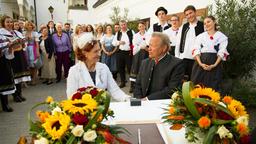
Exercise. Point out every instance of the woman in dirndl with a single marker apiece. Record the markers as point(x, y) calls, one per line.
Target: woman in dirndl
point(140, 52)
point(7, 85)
point(18, 63)
point(109, 51)
point(32, 50)
point(210, 50)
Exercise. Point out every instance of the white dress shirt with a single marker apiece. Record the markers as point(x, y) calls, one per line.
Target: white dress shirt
point(172, 34)
point(79, 76)
point(151, 30)
point(189, 43)
point(125, 38)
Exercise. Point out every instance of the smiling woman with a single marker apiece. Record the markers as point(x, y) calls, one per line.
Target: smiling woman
point(89, 72)
point(210, 50)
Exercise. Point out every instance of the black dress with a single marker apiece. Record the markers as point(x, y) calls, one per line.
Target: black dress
point(6, 75)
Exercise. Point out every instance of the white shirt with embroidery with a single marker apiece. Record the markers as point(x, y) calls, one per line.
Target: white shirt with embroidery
point(211, 44)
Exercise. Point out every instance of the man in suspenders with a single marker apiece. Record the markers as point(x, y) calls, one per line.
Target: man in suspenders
point(186, 39)
point(123, 40)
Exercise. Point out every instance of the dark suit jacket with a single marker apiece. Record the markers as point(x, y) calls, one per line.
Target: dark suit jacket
point(48, 46)
point(161, 80)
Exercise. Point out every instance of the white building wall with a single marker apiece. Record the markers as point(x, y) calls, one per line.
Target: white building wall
point(59, 14)
point(137, 9)
point(8, 8)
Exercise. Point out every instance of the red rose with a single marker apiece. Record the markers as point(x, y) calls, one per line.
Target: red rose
point(246, 139)
point(80, 119)
point(224, 116)
point(94, 92)
point(211, 37)
point(81, 89)
point(77, 95)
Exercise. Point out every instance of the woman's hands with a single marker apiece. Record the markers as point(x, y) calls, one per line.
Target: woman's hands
point(207, 67)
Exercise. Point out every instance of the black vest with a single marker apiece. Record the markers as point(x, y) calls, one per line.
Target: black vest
point(198, 30)
point(129, 33)
point(158, 28)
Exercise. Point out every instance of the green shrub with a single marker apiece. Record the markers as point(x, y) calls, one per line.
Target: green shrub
point(237, 20)
point(245, 92)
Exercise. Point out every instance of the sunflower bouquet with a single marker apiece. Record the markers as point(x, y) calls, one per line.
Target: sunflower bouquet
point(76, 120)
point(207, 118)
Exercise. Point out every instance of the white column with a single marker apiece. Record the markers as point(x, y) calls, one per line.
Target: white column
point(21, 10)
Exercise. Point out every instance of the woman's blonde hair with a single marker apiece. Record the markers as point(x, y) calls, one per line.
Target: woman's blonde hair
point(29, 23)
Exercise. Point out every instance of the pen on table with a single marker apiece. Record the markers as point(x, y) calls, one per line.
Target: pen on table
point(139, 138)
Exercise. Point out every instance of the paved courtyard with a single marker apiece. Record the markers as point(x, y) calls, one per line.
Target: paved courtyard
point(15, 124)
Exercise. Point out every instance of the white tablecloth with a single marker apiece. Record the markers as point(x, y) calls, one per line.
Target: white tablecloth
point(149, 112)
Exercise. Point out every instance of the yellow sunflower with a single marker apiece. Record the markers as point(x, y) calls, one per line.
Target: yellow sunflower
point(207, 93)
point(56, 125)
point(237, 109)
point(86, 104)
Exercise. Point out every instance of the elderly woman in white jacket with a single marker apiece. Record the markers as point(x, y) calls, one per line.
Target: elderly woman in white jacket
point(89, 72)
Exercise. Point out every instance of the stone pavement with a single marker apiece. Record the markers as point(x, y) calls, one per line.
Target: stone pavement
point(15, 124)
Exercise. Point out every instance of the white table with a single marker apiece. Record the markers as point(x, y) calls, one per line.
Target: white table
point(148, 112)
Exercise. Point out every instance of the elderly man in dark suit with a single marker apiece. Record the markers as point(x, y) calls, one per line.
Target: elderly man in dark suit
point(161, 74)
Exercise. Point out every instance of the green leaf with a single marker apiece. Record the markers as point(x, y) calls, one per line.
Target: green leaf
point(210, 135)
point(186, 87)
point(94, 119)
point(71, 139)
point(221, 122)
point(211, 103)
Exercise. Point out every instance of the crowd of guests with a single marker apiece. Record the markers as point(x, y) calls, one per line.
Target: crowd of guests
point(157, 60)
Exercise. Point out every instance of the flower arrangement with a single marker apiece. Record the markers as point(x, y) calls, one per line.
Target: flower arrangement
point(207, 118)
point(76, 120)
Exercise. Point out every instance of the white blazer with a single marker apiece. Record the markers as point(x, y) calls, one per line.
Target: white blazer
point(79, 76)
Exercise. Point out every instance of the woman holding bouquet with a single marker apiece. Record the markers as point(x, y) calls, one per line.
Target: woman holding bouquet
point(7, 85)
point(209, 51)
point(89, 72)
point(18, 63)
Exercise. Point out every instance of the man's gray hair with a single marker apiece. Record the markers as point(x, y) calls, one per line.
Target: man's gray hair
point(164, 39)
point(123, 21)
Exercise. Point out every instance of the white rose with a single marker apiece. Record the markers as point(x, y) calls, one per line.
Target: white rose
point(57, 109)
point(78, 130)
point(42, 140)
point(222, 104)
point(224, 132)
point(175, 95)
point(90, 135)
point(243, 119)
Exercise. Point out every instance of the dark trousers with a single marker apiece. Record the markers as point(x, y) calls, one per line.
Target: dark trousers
point(124, 59)
point(188, 64)
point(62, 59)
